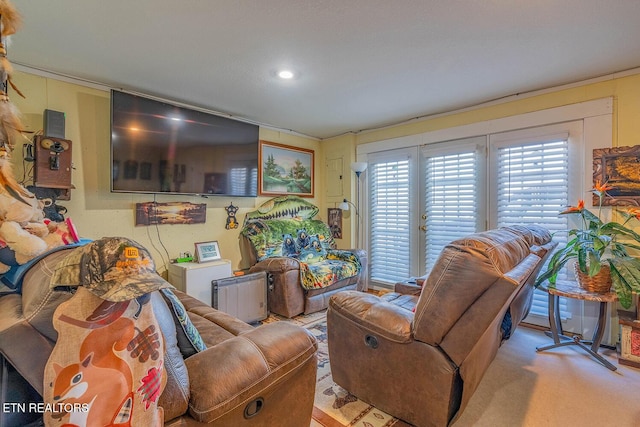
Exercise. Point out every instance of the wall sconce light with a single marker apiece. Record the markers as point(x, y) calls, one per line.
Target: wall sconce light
point(345, 206)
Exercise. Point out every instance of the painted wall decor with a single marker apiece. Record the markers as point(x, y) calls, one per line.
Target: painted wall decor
point(152, 213)
point(285, 170)
point(334, 216)
point(207, 251)
point(620, 168)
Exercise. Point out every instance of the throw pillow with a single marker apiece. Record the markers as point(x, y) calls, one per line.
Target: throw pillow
point(189, 339)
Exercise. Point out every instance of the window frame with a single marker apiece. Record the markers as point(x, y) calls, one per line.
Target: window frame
point(597, 117)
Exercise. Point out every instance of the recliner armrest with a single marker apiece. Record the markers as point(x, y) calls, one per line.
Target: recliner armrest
point(373, 313)
point(363, 282)
point(276, 265)
point(233, 372)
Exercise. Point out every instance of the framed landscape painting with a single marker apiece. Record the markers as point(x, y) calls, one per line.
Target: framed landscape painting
point(285, 170)
point(620, 168)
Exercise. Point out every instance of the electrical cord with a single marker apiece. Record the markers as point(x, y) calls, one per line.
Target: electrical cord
point(168, 258)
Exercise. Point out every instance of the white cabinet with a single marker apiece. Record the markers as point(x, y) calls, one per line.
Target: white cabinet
point(195, 279)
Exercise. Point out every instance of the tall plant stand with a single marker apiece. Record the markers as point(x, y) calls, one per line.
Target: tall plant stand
point(573, 290)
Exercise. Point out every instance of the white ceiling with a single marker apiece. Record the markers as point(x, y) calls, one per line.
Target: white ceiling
point(362, 64)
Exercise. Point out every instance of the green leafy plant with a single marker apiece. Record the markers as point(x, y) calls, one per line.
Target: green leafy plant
point(597, 242)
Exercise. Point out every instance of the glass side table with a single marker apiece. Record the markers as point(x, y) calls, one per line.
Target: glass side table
point(573, 290)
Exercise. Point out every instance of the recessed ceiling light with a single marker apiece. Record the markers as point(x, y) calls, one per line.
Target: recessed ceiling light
point(285, 74)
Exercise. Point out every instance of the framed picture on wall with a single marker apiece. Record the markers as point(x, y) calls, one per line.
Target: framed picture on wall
point(335, 222)
point(207, 251)
point(620, 168)
point(285, 170)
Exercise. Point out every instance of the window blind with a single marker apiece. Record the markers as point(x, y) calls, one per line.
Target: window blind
point(390, 228)
point(532, 188)
point(451, 190)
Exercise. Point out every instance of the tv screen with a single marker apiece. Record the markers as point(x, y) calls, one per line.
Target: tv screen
point(157, 147)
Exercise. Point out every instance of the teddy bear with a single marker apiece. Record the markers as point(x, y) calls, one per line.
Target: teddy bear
point(48, 197)
point(61, 233)
point(24, 231)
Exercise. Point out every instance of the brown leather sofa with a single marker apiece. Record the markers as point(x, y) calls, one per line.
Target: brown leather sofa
point(421, 357)
point(247, 376)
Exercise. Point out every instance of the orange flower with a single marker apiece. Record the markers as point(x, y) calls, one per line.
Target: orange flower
point(574, 209)
point(634, 212)
point(600, 189)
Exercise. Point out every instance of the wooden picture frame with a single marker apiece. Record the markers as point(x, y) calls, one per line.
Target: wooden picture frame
point(207, 251)
point(619, 167)
point(334, 219)
point(284, 169)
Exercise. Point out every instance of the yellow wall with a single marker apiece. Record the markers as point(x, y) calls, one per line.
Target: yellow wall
point(98, 212)
point(626, 123)
point(625, 90)
point(93, 208)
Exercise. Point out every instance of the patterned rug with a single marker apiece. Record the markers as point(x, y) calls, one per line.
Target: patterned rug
point(334, 406)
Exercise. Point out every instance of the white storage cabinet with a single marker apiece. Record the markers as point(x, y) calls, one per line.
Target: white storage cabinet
point(195, 279)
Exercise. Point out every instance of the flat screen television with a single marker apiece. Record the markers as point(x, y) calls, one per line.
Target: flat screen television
point(157, 147)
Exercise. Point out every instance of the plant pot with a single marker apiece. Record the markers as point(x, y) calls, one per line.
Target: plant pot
point(600, 283)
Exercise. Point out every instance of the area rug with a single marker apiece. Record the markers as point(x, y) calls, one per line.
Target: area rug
point(334, 406)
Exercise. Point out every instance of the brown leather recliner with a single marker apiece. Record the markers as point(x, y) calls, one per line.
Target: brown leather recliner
point(247, 376)
point(424, 366)
point(261, 239)
point(286, 295)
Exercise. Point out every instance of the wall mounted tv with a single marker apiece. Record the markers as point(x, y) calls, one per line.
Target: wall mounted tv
point(157, 147)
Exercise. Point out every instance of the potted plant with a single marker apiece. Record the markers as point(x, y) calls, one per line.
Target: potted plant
point(600, 246)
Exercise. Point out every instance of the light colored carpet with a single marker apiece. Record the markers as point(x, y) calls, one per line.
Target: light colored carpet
point(562, 387)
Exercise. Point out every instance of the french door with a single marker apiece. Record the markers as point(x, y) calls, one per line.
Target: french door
point(424, 197)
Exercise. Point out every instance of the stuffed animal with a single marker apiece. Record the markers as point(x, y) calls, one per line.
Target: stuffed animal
point(25, 245)
point(22, 226)
point(48, 196)
point(24, 233)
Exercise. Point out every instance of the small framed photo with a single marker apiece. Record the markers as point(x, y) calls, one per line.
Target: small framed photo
point(207, 251)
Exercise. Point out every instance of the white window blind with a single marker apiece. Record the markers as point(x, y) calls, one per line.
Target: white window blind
point(451, 200)
point(532, 188)
point(390, 219)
